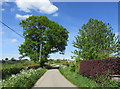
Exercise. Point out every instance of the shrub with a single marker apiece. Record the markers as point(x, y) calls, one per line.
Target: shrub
point(106, 81)
point(72, 66)
point(26, 78)
point(77, 67)
point(77, 64)
point(90, 68)
point(8, 70)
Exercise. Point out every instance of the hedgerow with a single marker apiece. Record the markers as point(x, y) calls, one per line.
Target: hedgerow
point(83, 82)
point(102, 67)
point(25, 79)
point(8, 70)
point(77, 79)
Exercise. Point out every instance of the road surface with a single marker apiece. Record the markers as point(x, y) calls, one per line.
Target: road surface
point(53, 78)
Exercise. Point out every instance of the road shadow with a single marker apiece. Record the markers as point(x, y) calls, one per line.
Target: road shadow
point(51, 67)
point(54, 67)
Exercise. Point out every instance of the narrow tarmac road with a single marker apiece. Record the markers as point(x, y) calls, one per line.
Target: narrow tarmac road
point(53, 78)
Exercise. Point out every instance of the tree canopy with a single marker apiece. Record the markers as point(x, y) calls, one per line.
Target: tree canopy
point(42, 37)
point(95, 40)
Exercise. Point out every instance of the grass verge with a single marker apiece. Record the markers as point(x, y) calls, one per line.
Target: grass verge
point(85, 83)
point(77, 79)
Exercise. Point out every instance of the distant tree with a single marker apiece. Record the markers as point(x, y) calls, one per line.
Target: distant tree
point(20, 58)
point(6, 59)
point(3, 61)
point(42, 37)
point(58, 61)
point(50, 59)
point(13, 59)
point(95, 40)
point(64, 59)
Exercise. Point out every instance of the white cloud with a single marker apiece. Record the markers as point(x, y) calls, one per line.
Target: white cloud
point(22, 16)
point(117, 34)
point(55, 14)
point(13, 40)
point(43, 6)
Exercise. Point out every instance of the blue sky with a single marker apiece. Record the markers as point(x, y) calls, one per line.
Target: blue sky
point(71, 15)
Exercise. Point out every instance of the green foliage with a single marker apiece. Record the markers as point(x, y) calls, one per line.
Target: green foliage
point(105, 81)
point(77, 64)
point(77, 59)
point(77, 67)
point(56, 62)
point(24, 79)
point(13, 59)
point(3, 61)
point(72, 66)
point(78, 80)
point(9, 69)
point(6, 59)
point(42, 33)
point(95, 41)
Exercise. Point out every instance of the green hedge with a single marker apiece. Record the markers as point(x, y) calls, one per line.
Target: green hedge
point(16, 68)
point(72, 66)
point(25, 79)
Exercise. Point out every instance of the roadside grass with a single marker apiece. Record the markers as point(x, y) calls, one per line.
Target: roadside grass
point(82, 81)
point(23, 80)
point(77, 79)
point(106, 81)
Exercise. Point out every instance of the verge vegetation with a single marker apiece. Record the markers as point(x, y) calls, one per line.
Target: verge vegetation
point(77, 79)
point(25, 79)
point(82, 81)
point(9, 69)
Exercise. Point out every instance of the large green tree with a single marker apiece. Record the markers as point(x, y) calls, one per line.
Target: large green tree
point(95, 40)
point(42, 37)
